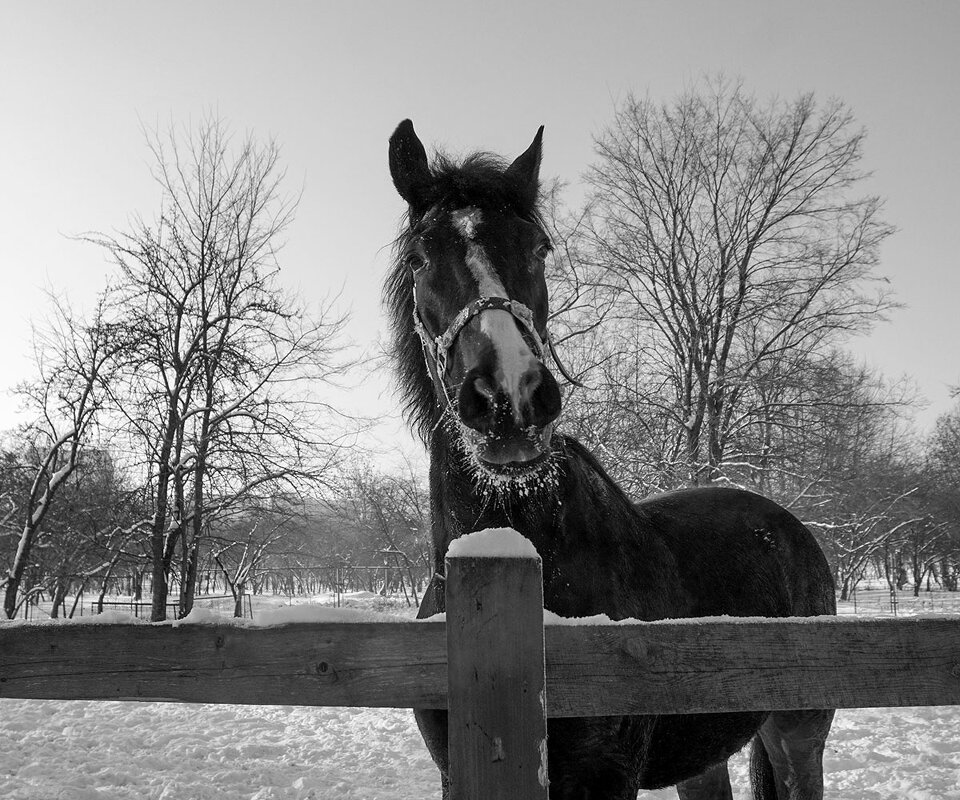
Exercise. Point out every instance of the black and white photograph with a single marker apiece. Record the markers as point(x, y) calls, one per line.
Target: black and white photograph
point(421, 400)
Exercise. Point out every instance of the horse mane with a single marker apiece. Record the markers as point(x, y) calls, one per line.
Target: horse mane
point(573, 449)
point(481, 180)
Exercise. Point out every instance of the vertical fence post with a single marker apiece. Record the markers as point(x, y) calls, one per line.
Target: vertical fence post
point(495, 664)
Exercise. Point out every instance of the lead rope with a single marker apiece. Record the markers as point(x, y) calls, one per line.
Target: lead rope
point(559, 363)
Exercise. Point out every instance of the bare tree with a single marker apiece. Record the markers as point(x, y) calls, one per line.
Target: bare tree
point(222, 367)
point(725, 247)
point(243, 550)
point(73, 358)
point(391, 509)
point(943, 493)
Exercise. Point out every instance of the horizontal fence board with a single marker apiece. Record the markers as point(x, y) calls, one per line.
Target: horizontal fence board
point(691, 667)
point(663, 667)
point(377, 664)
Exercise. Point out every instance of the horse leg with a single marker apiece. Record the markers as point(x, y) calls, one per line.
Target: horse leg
point(712, 784)
point(794, 742)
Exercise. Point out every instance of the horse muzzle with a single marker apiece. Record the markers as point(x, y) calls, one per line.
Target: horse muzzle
point(508, 418)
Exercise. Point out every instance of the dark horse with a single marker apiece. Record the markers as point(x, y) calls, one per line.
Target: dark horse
point(468, 304)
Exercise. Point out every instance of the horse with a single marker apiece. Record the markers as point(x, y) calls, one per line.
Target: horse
point(468, 307)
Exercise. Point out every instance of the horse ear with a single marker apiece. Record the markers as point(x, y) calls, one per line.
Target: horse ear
point(408, 166)
point(525, 170)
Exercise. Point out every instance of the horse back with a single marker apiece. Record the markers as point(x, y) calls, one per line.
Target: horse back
point(740, 554)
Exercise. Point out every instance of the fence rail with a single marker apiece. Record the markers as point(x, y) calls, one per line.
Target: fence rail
point(486, 665)
point(659, 667)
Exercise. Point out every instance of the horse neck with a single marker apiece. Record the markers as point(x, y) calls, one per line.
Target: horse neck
point(459, 506)
point(591, 538)
point(566, 514)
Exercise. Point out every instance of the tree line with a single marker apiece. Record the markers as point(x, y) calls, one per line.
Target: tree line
point(705, 292)
point(710, 284)
point(95, 541)
point(182, 422)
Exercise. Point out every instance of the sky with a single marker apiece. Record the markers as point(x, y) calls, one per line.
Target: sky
point(329, 81)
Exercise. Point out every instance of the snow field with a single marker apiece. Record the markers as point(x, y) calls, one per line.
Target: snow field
point(56, 750)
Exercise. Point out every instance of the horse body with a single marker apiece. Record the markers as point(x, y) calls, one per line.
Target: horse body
point(690, 553)
point(469, 308)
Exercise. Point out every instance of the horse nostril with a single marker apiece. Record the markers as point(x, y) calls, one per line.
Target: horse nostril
point(477, 401)
point(485, 405)
point(542, 398)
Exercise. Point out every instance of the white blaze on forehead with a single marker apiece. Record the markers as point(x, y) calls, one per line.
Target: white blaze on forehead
point(465, 220)
point(483, 272)
point(514, 356)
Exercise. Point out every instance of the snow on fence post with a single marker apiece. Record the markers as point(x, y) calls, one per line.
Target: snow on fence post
point(495, 668)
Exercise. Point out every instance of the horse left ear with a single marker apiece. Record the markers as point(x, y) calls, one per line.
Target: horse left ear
point(409, 167)
point(525, 170)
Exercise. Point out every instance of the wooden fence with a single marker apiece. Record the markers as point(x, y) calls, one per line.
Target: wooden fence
point(496, 667)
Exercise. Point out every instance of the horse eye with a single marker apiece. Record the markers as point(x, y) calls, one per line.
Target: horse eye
point(415, 262)
point(543, 250)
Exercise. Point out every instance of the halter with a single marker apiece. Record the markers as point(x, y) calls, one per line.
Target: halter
point(436, 350)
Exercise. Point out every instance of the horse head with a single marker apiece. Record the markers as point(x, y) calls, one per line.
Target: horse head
point(470, 268)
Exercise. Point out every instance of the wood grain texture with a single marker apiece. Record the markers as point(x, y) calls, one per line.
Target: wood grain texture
point(400, 664)
point(664, 667)
point(752, 665)
point(495, 653)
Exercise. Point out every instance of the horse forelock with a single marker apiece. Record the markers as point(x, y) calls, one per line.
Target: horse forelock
point(480, 181)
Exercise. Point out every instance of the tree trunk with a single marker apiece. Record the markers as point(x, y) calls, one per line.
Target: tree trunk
point(106, 580)
point(948, 577)
point(76, 600)
point(714, 436)
point(59, 595)
point(15, 573)
point(188, 579)
point(197, 500)
point(238, 591)
point(158, 576)
point(158, 534)
point(10, 593)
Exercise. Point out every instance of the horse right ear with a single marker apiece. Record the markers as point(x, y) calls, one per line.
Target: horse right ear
point(409, 168)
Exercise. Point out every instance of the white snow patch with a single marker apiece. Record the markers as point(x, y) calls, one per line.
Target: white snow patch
point(542, 769)
point(106, 618)
point(492, 543)
point(179, 751)
point(266, 616)
point(205, 616)
point(549, 618)
point(83, 750)
point(284, 615)
point(318, 613)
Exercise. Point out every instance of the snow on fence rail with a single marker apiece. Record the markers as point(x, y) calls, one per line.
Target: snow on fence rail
point(483, 664)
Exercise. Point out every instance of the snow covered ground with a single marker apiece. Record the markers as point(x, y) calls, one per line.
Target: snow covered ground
point(55, 750)
point(52, 750)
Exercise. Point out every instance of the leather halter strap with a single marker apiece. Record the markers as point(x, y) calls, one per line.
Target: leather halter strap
point(436, 350)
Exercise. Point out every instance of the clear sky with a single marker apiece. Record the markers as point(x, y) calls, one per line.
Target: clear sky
point(330, 81)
